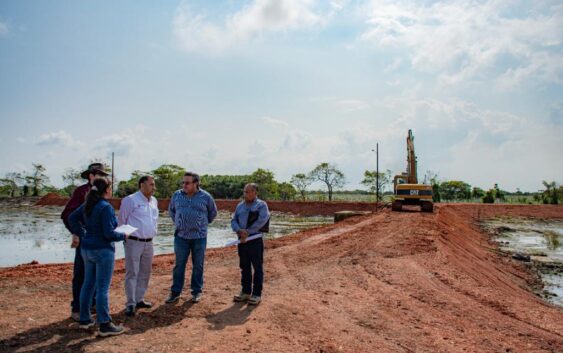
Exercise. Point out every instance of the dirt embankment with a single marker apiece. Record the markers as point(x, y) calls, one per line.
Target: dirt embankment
point(387, 282)
point(303, 208)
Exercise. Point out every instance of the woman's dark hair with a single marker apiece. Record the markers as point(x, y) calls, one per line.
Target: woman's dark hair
point(99, 188)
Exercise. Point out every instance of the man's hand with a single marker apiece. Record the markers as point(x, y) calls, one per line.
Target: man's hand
point(243, 234)
point(75, 241)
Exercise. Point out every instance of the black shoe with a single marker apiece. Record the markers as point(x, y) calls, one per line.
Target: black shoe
point(173, 298)
point(143, 305)
point(75, 315)
point(130, 310)
point(86, 324)
point(109, 329)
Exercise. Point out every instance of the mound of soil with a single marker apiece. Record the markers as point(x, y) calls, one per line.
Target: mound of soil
point(304, 208)
point(386, 282)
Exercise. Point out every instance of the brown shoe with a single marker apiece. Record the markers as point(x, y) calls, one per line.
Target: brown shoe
point(241, 297)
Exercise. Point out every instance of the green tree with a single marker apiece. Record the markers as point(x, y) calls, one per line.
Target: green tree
point(432, 178)
point(330, 175)
point(499, 194)
point(286, 191)
point(489, 196)
point(301, 182)
point(167, 178)
point(37, 179)
point(224, 186)
point(455, 190)
point(267, 186)
point(71, 179)
point(370, 180)
point(128, 187)
point(477, 193)
point(11, 184)
point(551, 193)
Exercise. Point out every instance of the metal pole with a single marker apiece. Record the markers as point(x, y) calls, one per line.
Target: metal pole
point(112, 169)
point(377, 173)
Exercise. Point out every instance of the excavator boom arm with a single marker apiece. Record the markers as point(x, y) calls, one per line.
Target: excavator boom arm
point(411, 160)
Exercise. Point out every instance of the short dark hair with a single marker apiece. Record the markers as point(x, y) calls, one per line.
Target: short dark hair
point(253, 186)
point(195, 176)
point(144, 178)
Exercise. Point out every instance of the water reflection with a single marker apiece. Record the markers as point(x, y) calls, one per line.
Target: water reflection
point(541, 239)
point(37, 233)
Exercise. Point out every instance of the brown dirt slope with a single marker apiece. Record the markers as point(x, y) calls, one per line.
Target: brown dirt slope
point(388, 282)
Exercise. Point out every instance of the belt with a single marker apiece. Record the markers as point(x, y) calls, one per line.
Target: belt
point(132, 237)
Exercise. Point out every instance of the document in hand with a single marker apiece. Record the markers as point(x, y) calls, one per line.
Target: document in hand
point(126, 228)
point(236, 242)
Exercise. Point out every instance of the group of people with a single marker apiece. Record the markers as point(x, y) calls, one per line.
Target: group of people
point(91, 220)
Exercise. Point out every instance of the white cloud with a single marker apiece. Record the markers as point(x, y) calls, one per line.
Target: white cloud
point(59, 138)
point(197, 33)
point(473, 40)
point(120, 144)
point(350, 105)
point(343, 104)
point(276, 123)
point(4, 29)
point(296, 141)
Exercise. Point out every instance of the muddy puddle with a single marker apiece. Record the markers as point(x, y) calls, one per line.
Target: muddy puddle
point(537, 242)
point(38, 234)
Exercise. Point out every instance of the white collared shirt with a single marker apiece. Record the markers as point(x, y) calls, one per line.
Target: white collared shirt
point(137, 211)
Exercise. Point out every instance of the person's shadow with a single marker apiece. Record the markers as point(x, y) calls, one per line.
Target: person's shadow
point(66, 336)
point(237, 314)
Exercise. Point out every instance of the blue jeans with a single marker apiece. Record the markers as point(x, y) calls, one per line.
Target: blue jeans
point(182, 249)
point(98, 270)
point(77, 279)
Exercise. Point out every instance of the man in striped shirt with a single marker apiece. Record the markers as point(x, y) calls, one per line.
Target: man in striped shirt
point(192, 210)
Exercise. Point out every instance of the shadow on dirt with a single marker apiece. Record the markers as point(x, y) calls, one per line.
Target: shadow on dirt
point(237, 314)
point(66, 336)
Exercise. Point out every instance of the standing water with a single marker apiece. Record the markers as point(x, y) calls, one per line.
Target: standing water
point(38, 233)
point(542, 241)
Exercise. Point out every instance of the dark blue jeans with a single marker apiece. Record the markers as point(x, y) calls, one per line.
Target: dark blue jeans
point(98, 270)
point(251, 255)
point(77, 280)
point(182, 249)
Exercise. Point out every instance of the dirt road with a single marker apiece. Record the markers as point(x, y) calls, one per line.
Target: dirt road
point(387, 282)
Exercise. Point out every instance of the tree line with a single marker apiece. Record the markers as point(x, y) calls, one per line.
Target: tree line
point(168, 176)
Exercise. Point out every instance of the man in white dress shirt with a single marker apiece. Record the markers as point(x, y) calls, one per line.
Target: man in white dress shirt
point(139, 210)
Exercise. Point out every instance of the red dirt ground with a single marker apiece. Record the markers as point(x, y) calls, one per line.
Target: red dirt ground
point(386, 282)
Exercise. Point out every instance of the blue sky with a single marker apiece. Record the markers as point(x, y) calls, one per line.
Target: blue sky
point(226, 87)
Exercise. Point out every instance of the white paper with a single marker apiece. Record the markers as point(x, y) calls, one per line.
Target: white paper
point(236, 242)
point(126, 228)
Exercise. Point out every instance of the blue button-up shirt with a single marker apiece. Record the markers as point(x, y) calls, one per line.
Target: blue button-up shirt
point(192, 215)
point(240, 217)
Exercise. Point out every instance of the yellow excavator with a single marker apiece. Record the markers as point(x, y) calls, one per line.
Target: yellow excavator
point(406, 188)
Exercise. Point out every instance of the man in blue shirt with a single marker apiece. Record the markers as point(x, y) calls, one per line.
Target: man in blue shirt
point(251, 219)
point(192, 210)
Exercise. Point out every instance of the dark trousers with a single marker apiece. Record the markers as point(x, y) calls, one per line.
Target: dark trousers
point(251, 256)
point(77, 280)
